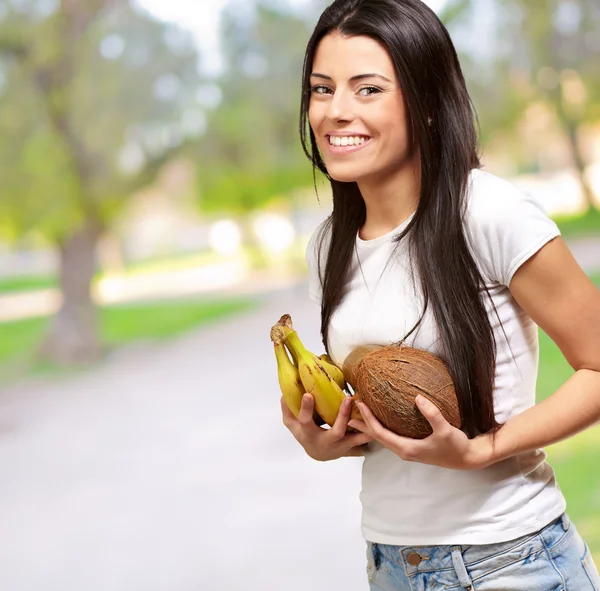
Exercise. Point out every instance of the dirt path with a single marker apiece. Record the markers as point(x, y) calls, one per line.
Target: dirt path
point(168, 469)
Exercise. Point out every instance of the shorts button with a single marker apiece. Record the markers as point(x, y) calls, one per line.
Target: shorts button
point(413, 559)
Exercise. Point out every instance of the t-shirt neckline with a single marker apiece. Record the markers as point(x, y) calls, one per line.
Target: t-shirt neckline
point(384, 237)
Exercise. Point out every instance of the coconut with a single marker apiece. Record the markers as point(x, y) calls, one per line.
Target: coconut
point(388, 379)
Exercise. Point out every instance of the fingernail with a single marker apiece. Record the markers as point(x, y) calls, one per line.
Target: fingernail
point(353, 424)
point(421, 399)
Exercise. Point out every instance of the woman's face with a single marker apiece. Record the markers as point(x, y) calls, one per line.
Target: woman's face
point(357, 111)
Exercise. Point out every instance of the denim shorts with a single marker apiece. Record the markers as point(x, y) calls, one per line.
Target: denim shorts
point(554, 559)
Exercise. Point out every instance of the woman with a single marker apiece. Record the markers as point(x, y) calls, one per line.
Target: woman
point(425, 248)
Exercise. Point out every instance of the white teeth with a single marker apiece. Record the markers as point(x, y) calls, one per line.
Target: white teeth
point(346, 140)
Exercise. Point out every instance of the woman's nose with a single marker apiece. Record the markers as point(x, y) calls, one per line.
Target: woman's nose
point(340, 107)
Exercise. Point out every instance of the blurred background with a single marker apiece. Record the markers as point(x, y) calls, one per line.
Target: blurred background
point(155, 206)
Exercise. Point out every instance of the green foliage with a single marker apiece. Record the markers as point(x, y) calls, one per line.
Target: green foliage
point(95, 99)
point(544, 53)
point(251, 153)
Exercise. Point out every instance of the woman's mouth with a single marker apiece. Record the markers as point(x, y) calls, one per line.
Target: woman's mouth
point(345, 144)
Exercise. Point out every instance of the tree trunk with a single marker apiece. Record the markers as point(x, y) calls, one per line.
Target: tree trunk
point(73, 337)
point(570, 123)
point(579, 161)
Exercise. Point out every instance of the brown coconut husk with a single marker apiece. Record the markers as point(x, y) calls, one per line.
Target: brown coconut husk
point(388, 379)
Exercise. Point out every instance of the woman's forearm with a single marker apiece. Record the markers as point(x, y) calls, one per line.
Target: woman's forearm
point(575, 406)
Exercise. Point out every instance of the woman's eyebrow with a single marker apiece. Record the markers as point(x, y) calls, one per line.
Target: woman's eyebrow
point(354, 78)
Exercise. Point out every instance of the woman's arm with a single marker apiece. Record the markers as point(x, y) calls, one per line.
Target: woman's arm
point(554, 291)
point(561, 299)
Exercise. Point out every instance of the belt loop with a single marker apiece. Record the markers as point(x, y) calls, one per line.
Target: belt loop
point(459, 566)
point(565, 521)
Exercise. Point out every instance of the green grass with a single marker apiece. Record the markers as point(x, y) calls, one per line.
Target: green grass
point(587, 224)
point(28, 283)
point(155, 265)
point(162, 321)
point(575, 461)
point(123, 325)
point(19, 338)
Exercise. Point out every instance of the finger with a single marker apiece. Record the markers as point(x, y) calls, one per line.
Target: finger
point(359, 426)
point(357, 439)
point(288, 415)
point(432, 413)
point(371, 425)
point(405, 447)
point(343, 416)
point(305, 418)
point(369, 419)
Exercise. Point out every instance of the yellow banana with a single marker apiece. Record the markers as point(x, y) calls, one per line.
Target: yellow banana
point(328, 396)
point(290, 383)
point(333, 370)
point(289, 380)
point(328, 365)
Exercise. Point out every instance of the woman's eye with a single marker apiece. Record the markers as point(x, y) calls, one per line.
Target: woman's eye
point(319, 89)
point(369, 90)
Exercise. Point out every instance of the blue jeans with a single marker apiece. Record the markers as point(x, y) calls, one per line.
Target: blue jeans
point(554, 559)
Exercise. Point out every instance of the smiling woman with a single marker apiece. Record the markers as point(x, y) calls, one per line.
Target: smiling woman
point(425, 249)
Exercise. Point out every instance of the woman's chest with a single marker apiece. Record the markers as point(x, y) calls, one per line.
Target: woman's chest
point(381, 309)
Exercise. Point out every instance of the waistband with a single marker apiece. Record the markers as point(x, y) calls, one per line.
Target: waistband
point(421, 559)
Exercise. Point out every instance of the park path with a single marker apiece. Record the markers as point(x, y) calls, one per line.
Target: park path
point(168, 469)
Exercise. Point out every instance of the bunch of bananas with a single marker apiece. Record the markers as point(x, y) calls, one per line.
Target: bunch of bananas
point(307, 373)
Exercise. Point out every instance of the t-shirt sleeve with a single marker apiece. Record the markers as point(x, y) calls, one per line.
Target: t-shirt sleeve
point(507, 226)
point(316, 250)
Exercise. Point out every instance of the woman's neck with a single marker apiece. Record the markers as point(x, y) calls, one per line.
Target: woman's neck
point(389, 202)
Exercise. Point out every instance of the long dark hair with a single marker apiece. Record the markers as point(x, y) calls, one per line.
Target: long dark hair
point(442, 124)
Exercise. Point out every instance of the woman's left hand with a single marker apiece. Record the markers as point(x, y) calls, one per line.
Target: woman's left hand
point(447, 446)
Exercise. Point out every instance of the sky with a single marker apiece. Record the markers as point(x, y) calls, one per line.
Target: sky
point(202, 18)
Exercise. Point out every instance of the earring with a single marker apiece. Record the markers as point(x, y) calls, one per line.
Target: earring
point(429, 121)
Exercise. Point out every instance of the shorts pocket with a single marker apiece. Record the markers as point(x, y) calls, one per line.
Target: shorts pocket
point(535, 567)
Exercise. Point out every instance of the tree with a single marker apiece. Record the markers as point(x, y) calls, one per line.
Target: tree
point(545, 51)
point(251, 151)
point(95, 100)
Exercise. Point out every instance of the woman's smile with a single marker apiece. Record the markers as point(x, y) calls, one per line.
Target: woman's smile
point(340, 144)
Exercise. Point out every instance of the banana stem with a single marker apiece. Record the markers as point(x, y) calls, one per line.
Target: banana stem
point(277, 334)
point(294, 344)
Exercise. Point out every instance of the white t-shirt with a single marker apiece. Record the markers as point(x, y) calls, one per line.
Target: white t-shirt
point(408, 503)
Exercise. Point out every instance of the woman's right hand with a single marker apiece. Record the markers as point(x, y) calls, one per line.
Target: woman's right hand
point(319, 443)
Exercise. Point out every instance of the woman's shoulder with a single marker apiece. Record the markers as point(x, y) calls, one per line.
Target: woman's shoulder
point(505, 224)
point(493, 199)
